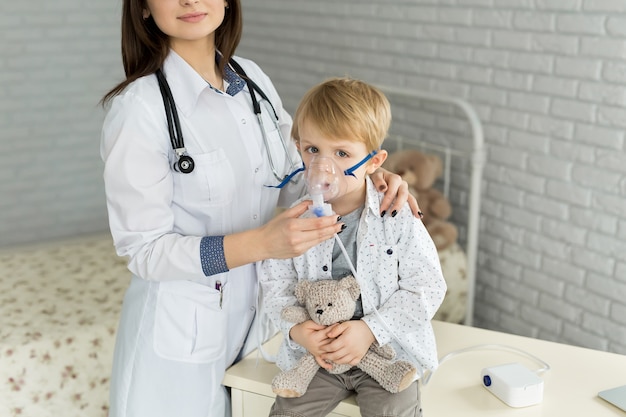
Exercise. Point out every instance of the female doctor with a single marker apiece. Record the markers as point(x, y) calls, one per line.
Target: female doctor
point(191, 176)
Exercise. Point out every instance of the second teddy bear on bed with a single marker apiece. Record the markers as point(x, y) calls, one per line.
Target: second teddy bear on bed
point(327, 302)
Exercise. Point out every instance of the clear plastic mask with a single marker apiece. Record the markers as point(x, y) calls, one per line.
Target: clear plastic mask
point(324, 178)
point(325, 181)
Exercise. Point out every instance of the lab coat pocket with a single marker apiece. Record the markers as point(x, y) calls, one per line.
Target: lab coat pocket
point(189, 323)
point(211, 183)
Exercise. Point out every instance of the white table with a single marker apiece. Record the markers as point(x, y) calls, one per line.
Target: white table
point(455, 389)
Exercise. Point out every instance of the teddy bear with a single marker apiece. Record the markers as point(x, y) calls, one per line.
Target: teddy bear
point(327, 302)
point(421, 170)
point(454, 267)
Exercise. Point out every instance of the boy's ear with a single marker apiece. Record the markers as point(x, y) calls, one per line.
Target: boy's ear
point(377, 160)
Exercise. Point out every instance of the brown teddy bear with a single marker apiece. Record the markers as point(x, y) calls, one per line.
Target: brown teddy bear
point(421, 170)
point(327, 302)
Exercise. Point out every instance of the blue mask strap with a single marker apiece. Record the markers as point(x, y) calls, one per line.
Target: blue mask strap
point(287, 178)
point(350, 171)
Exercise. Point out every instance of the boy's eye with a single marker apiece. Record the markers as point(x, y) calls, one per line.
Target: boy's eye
point(312, 149)
point(342, 154)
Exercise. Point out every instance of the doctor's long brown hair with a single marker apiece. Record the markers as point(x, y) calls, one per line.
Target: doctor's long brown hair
point(145, 47)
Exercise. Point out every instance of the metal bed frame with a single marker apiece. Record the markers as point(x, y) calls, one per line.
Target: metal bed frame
point(476, 157)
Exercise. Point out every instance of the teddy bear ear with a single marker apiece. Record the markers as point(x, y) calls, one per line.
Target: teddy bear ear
point(437, 164)
point(351, 284)
point(301, 290)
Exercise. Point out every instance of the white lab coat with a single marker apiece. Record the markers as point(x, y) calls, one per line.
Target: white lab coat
point(174, 339)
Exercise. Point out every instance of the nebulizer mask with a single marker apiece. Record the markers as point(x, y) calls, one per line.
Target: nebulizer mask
point(324, 181)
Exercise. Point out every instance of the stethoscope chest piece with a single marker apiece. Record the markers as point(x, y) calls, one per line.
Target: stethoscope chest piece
point(185, 164)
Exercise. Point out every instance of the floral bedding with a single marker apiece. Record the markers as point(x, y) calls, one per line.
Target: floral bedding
point(59, 307)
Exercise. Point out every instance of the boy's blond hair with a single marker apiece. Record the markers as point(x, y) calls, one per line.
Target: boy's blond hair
point(345, 108)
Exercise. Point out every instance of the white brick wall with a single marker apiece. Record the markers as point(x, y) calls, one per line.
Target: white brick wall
point(56, 61)
point(548, 78)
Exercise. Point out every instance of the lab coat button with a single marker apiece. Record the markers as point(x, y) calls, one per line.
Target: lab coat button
point(255, 217)
point(243, 121)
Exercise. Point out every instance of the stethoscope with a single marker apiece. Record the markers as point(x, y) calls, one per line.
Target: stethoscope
point(185, 163)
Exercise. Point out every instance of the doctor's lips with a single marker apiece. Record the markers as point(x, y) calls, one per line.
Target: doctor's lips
point(192, 17)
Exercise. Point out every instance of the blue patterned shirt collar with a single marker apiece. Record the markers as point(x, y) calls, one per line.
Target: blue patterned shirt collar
point(234, 82)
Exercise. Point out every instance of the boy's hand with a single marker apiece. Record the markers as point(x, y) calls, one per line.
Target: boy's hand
point(349, 341)
point(310, 335)
point(313, 338)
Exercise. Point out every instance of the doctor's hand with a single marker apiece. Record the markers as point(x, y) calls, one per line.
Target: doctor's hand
point(285, 236)
point(396, 192)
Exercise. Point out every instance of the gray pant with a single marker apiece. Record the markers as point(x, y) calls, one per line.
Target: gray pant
point(327, 390)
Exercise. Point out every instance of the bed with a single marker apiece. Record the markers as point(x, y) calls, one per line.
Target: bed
point(450, 128)
point(59, 307)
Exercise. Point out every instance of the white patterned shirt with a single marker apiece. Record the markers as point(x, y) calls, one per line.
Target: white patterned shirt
point(399, 273)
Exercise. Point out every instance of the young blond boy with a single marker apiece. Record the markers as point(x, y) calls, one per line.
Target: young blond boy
point(396, 263)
